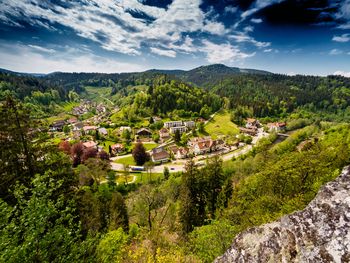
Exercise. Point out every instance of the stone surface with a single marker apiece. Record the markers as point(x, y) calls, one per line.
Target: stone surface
point(319, 233)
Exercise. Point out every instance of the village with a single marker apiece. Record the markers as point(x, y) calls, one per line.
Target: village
point(169, 143)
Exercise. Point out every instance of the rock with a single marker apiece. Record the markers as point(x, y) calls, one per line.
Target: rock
point(319, 233)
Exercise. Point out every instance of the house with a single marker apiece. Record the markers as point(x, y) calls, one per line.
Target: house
point(252, 123)
point(89, 129)
point(90, 144)
point(100, 108)
point(57, 125)
point(189, 125)
point(276, 126)
point(160, 155)
point(179, 152)
point(72, 120)
point(103, 131)
point(78, 126)
point(117, 148)
point(156, 119)
point(170, 124)
point(181, 129)
point(164, 134)
point(123, 128)
point(144, 132)
point(76, 134)
point(195, 140)
point(200, 119)
point(252, 131)
point(202, 147)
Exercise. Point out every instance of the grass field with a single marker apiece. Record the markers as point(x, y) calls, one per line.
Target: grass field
point(126, 160)
point(68, 106)
point(221, 125)
point(61, 116)
point(121, 178)
point(144, 178)
point(149, 146)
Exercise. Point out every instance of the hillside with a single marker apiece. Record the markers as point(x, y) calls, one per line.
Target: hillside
point(319, 233)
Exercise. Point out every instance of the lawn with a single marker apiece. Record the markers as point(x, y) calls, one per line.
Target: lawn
point(221, 125)
point(61, 116)
point(121, 178)
point(149, 146)
point(106, 145)
point(129, 160)
point(144, 178)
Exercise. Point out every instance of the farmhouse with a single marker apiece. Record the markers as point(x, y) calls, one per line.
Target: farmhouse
point(144, 132)
point(160, 155)
point(57, 125)
point(117, 148)
point(252, 123)
point(276, 126)
point(252, 131)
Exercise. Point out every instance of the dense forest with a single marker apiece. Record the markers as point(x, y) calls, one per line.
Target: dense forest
point(60, 202)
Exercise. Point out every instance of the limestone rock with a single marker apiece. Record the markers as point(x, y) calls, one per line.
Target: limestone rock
point(319, 233)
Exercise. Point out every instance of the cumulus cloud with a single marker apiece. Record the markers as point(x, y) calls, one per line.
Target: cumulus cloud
point(21, 58)
point(343, 38)
point(163, 52)
point(335, 52)
point(256, 20)
point(342, 73)
point(220, 53)
point(230, 9)
point(112, 24)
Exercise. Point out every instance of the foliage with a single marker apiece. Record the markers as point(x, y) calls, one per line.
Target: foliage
point(139, 154)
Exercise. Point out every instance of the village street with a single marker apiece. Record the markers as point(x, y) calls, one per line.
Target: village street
point(179, 165)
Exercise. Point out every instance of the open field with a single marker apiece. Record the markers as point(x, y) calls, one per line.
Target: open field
point(129, 160)
point(221, 125)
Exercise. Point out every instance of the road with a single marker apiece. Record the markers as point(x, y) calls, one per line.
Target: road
point(179, 165)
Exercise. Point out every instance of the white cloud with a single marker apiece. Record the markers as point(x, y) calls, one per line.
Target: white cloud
point(21, 58)
point(220, 53)
point(111, 25)
point(163, 52)
point(268, 50)
point(335, 51)
point(256, 20)
point(342, 73)
point(230, 9)
point(42, 49)
point(343, 38)
point(343, 14)
point(241, 37)
point(248, 29)
point(258, 5)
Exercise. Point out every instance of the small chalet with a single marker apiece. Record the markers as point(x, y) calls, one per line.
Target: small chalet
point(160, 155)
point(123, 128)
point(78, 126)
point(90, 144)
point(103, 131)
point(144, 132)
point(252, 123)
point(72, 120)
point(57, 125)
point(117, 148)
point(277, 126)
point(251, 132)
point(89, 129)
point(164, 134)
point(179, 152)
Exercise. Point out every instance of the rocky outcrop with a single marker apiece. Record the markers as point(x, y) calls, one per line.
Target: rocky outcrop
point(319, 233)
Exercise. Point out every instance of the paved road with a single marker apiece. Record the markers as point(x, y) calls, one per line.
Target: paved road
point(179, 165)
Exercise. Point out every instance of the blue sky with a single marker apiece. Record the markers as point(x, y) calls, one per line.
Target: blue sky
point(291, 37)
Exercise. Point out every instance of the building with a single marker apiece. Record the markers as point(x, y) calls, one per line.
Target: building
point(189, 124)
point(89, 129)
point(144, 132)
point(276, 126)
point(181, 129)
point(90, 144)
point(206, 145)
point(103, 131)
point(72, 120)
point(57, 125)
point(252, 131)
point(160, 155)
point(123, 128)
point(117, 148)
point(78, 126)
point(252, 123)
point(156, 119)
point(164, 134)
point(179, 152)
point(170, 124)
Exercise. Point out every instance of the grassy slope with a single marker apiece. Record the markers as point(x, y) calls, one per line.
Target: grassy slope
point(221, 125)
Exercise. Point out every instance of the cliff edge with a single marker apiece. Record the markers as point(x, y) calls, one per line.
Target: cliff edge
point(319, 233)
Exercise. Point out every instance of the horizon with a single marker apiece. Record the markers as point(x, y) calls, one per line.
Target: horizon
point(42, 37)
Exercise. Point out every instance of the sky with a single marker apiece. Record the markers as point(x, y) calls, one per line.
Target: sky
point(281, 36)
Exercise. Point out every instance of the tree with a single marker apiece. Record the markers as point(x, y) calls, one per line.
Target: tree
point(177, 136)
point(201, 127)
point(149, 166)
point(97, 135)
point(77, 153)
point(65, 147)
point(89, 153)
point(110, 150)
point(112, 246)
point(139, 153)
point(103, 155)
point(66, 129)
point(118, 213)
point(184, 139)
point(126, 135)
point(166, 173)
